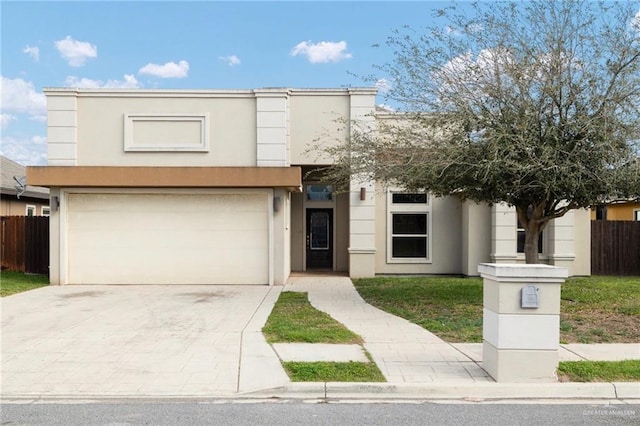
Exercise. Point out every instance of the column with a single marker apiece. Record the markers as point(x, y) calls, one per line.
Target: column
point(521, 321)
point(362, 217)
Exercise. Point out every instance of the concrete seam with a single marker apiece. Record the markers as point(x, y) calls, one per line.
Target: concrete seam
point(575, 353)
point(242, 337)
point(615, 390)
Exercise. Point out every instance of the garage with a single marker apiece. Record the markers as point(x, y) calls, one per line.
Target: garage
point(168, 238)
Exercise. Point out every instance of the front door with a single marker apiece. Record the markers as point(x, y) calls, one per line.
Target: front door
point(319, 238)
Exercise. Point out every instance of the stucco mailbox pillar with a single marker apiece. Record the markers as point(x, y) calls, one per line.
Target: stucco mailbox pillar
point(521, 321)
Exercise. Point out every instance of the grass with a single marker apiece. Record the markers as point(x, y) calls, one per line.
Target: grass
point(333, 372)
point(600, 310)
point(600, 371)
point(293, 319)
point(17, 282)
point(593, 309)
point(449, 307)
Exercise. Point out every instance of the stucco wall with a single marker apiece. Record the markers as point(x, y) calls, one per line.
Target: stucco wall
point(231, 130)
point(446, 244)
point(19, 207)
point(315, 118)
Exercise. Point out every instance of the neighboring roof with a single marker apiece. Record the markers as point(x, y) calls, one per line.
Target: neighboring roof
point(9, 169)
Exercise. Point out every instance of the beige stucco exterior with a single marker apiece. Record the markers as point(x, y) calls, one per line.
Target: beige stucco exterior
point(198, 148)
point(620, 211)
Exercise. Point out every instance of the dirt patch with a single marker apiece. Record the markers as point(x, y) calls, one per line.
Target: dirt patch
point(599, 327)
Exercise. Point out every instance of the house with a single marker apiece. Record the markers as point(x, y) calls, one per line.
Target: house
point(218, 187)
point(33, 201)
point(619, 210)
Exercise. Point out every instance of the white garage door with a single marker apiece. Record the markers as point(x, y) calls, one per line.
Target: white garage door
point(168, 239)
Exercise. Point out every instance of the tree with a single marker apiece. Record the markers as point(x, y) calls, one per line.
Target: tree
point(534, 104)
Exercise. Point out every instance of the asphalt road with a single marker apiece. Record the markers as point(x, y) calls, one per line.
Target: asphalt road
point(285, 413)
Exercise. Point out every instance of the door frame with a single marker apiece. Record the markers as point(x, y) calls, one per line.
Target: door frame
point(331, 235)
point(307, 204)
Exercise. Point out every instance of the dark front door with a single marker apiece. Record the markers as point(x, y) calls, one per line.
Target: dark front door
point(319, 238)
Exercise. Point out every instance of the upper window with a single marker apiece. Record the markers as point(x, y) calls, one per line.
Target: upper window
point(317, 192)
point(408, 227)
point(45, 210)
point(31, 210)
point(636, 215)
point(409, 198)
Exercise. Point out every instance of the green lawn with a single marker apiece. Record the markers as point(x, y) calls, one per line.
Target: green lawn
point(593, 309)
point(600, 371)
point(449, 307)
point(333, 372)
point(17, 282)
point(293, 319)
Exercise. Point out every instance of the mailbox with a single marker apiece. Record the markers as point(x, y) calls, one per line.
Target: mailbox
point(530, 297)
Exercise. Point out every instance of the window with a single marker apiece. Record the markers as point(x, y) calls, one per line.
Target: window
point(408, 227)
point(521, 238)
point(601, 212)
point(45, 210)
point(636, 215)
point(31, 210)
point(317, 192)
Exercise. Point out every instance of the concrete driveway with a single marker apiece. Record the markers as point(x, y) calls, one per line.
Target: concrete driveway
point(116, 341)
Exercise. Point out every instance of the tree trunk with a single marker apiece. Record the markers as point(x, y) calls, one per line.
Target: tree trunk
point(530, 218)
point(531, 236)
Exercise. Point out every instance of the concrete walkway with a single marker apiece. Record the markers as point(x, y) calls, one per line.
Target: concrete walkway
point(404, 352)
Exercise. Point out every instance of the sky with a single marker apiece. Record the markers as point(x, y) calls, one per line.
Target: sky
point(184, 45)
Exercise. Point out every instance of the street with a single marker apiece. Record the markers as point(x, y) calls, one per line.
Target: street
point(293, 412)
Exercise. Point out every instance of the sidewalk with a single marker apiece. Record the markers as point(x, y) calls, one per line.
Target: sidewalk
point(418, 364)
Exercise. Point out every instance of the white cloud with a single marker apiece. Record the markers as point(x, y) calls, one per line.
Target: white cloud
point(128, 81)
point(32, 51)
point(230, 60)
point(76, 52)
point(5, 119)
point(26, 151)
point(168, 70)
point(635, 22)
point(383, 85)
point(18, 95)
point(322, 52)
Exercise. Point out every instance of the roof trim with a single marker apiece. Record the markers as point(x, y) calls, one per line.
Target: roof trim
point(166, 177)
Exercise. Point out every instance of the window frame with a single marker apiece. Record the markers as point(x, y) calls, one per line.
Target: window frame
point(408, 208)
point(542, 240)
point(636, 215)
point(45, 211)
point(31, 207)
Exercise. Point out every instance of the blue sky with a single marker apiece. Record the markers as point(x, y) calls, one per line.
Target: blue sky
point(179, 45)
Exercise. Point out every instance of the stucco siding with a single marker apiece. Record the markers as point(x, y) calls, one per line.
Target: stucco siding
point(446, 239)
point(231, 131)
point(316, 119)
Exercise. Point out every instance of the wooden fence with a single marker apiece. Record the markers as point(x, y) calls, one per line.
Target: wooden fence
point(24, 244)
point(615, 247)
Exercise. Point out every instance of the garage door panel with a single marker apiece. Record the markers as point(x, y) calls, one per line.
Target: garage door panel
point(160, 238)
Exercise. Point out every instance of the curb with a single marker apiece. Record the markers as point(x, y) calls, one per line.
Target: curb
point(480, 391)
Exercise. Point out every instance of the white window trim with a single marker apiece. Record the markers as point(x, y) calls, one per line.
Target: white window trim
point(544, 254)
point(43, 212)
point(636, 214)
point(30, 207)
point(408, 208)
